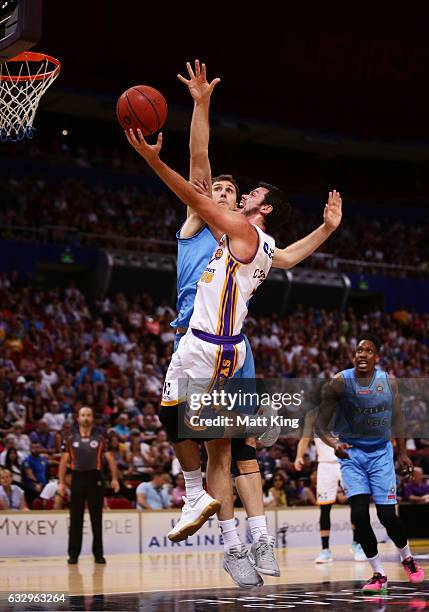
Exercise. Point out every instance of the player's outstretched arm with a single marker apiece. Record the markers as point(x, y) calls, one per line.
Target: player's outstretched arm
point(300, 250)
point(231, 223)
point(201, 91)
point(200, 170)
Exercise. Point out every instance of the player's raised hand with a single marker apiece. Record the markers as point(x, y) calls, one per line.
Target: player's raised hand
point(202, 187)
point(199, 88)
point(149, 152)
point(333, 211)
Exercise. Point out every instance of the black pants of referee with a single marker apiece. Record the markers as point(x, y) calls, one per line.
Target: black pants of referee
point(86, 486)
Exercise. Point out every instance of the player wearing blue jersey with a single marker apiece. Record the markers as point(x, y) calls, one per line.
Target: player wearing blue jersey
point(365, 403)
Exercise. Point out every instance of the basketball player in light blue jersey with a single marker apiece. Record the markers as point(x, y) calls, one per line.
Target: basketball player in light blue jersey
point(366, 405)
point(196, 243)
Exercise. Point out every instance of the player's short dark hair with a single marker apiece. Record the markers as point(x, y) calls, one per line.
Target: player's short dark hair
point(229, 178)
point(281, 207)
point(371, 338)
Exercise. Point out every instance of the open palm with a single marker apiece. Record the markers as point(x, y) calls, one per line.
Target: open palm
point(333, 211)
point(147, 151)
point(200, 89)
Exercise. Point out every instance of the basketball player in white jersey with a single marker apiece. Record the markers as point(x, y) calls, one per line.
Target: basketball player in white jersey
point(328, 482)
point(283, 258)
point(213, 348)
point(244, 466)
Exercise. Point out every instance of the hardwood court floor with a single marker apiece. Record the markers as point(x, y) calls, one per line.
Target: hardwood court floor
point(152, 573)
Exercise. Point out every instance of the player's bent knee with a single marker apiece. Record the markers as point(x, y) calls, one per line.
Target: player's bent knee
point(243, 458)
point(360, 519)
point(386, 514)
point(359, 509)
point(243, 468)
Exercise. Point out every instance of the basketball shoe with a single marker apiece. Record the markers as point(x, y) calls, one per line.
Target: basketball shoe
point(376, 584)
point(194, 515)
point(325, 556)
point(358, 553)
point(262, 555)
point(414, 572)
point(270, 434)
point(239, 566)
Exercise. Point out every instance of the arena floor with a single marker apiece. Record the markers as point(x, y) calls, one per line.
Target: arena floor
point(197, 581)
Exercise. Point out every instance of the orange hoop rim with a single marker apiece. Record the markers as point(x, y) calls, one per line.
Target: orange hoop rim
point(31, 56)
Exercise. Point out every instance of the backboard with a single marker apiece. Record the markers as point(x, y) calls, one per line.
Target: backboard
point(20, 26)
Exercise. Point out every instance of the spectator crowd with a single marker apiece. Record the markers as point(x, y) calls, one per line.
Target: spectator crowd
point(59, 353)
point(79, 214)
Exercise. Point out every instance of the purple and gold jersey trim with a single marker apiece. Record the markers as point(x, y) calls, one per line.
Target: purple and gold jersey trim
point(226, 364)
point(228, 299)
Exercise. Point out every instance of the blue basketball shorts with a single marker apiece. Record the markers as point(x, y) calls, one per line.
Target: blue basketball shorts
point(248, 369)
point(370, 473)
point(177, 339)
point(244, 380)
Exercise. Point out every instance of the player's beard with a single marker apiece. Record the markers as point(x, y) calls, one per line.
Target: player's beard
point(250, 211)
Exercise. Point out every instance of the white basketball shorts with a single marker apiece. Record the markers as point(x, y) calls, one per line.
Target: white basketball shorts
point(328, 481)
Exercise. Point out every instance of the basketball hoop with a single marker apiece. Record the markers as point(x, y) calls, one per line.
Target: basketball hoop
point(23, 81)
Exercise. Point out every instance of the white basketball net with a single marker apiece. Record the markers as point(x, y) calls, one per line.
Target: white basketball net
point(22, 84)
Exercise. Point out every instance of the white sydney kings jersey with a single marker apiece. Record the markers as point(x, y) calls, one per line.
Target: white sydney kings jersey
point(226, 285)
point(325, 453)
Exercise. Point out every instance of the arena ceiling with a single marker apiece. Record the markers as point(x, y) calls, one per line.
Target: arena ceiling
point(362, 87)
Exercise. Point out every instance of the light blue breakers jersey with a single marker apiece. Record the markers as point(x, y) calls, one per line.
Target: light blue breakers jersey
point(364, 414)
point(192, 257)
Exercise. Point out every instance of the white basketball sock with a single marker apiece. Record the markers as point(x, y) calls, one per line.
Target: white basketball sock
point(405, 552)
point(229, 533)
point(193, 484)
point(376, 565)
point(258, 526)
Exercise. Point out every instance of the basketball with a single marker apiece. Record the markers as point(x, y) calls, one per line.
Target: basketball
point(142, 107)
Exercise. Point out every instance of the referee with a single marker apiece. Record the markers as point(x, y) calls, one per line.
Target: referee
point(85, 449)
